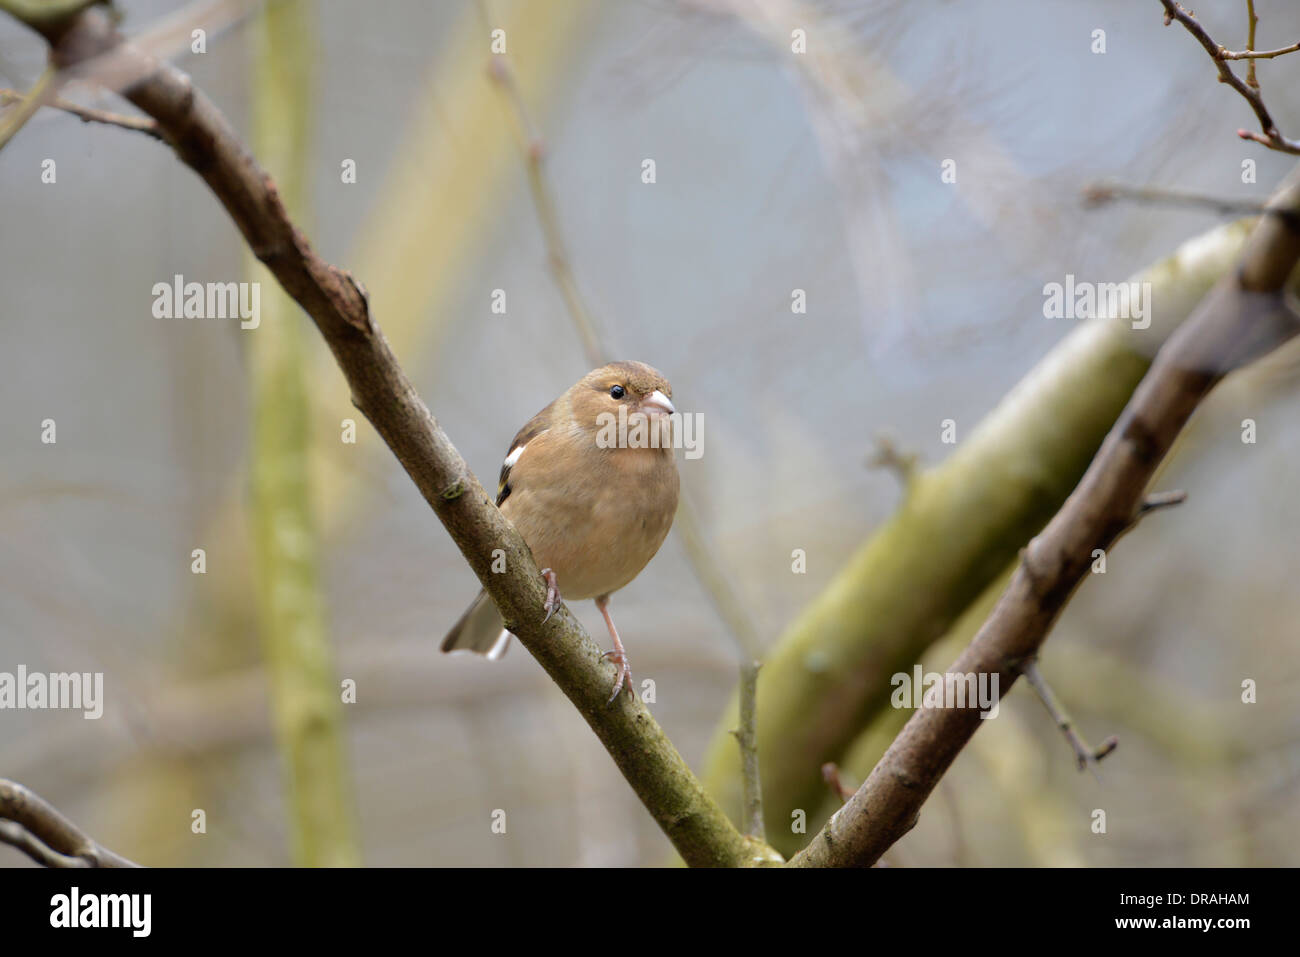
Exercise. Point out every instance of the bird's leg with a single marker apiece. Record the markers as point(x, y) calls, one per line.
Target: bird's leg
point(618, 655)
point(552, 594)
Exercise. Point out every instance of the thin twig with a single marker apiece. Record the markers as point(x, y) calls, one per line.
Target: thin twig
point(34, 826)
point(887, 455)
point(1155, 502)
point(1084, 753)
point(533, 150)
point(1159, 500)
point(1100, 194)
point(1252, 21)
point(1256, 55)
point(746, 737)
point(138, 124)
point(1271, 137)
point(715, 582)
point(18, 836)
point(28, 105)
point(831, 775)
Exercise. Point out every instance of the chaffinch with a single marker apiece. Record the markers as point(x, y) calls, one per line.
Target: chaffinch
point(591, 485)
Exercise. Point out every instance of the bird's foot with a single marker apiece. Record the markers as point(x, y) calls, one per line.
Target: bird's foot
point(552, 594)
point(619, 657)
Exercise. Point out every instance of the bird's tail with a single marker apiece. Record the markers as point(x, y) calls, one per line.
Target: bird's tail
point(479, 630)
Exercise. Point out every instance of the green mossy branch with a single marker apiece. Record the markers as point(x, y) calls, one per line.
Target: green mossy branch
point(304, 687)
point(961, 524)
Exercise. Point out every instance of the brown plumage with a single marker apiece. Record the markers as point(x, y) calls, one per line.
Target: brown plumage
point(593, 506)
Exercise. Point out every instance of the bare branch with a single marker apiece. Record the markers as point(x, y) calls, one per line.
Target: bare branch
point(1084, 754)
point(1252, 21)
point(1245, 316)
point(1103, 193)
point(747, 738)
point(534, 152)
point(887, 455)
point(203, 138)
point(1271, 137)
point(29, 823)
point(1257, 55)
point(28, 105)
point(138, 124)
point(831, 775)
point(1159, 500)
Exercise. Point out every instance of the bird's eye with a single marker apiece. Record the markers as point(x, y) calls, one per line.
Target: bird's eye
point(617, 392)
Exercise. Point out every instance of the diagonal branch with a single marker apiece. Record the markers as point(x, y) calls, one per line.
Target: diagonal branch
point(89, 114)
point(1271, 136)
point(203, 138)
point(1245, 316)
point(27, 105)
point(1258, 54)
point(35, 827)
point(1085, 755)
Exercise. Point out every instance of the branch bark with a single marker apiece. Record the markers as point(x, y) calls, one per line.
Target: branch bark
point(1245, 316)
point(89, 114)
point(204, 140)
point(34, 826)
point(827, 678)
point(746, 738)
point(1271, 136)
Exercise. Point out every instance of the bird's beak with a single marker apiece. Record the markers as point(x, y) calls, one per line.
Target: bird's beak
point(656, 403)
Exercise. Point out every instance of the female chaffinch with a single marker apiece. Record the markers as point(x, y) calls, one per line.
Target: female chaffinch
point(591, 485)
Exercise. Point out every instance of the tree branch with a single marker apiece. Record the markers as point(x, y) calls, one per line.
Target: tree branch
point(28, 105)
point(1243, 317)
point(828, 676)
point(88, 114)
point(1252, 21)
point(1102, 193)
point(29, 823)
point(1084, 753)
point(1257, 54)
point(746, 738)
point(1271, 136)
point(203, 139)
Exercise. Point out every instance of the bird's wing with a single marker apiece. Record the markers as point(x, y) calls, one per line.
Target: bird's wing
point(535, 427)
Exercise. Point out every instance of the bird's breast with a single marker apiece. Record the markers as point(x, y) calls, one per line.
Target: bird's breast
point(599, 533)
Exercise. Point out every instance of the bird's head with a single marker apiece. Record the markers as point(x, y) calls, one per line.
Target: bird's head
point(630, 393)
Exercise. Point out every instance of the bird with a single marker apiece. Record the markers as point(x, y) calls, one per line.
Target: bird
point(591, 484)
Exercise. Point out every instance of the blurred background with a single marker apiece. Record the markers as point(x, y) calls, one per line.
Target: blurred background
point(773, 172)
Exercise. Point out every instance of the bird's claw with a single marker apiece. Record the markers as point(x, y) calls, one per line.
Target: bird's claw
point(552, 594)
point(624, 674)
